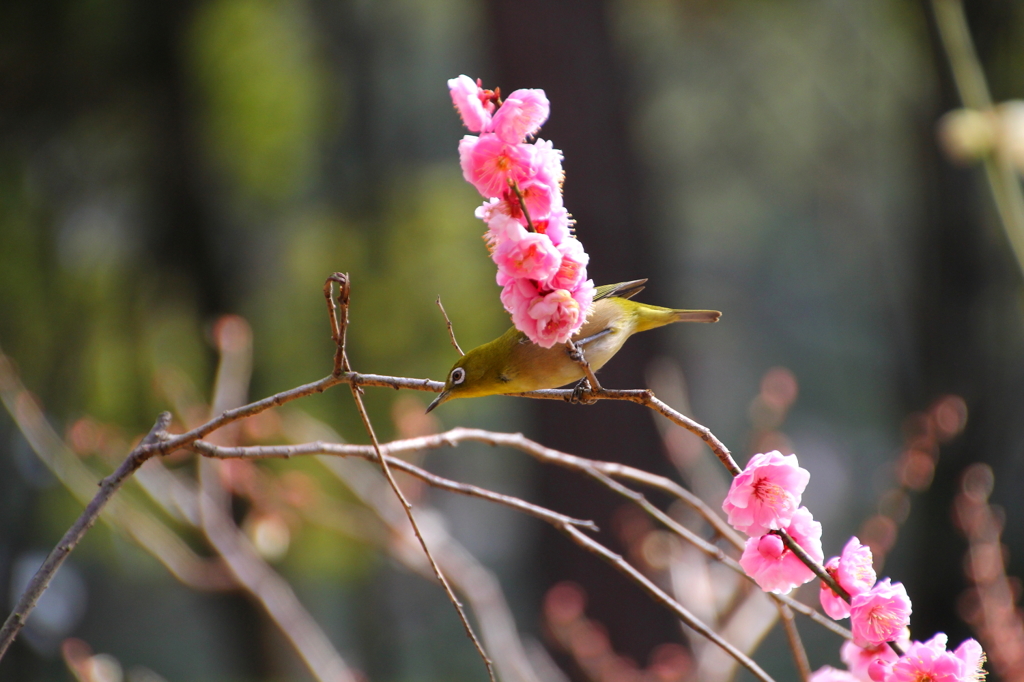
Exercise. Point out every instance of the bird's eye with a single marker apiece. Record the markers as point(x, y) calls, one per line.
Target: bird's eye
point(458, 375)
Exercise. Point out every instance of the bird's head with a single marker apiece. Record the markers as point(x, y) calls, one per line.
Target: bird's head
point(475, 374)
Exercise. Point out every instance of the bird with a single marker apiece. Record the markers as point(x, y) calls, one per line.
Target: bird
point(512, 363)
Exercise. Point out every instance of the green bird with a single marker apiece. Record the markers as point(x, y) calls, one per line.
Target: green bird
point(514, 364)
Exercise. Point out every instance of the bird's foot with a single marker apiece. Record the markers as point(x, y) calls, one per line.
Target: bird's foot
point(581, 394)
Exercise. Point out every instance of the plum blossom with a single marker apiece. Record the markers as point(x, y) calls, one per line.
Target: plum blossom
point(472, 102)
point(880, 614)
point(859, 659)
point(542, 267)
point(488, 163)
point(553, 318)
point(557, 226)
point(573, 267)
point(532, 256)
point(853, 571)
point(931, 662)
point(772, 565)
point(829, 674)
point(521, 115)
point(766, 493)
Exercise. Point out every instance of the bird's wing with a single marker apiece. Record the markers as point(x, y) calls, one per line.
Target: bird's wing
point(620, 290)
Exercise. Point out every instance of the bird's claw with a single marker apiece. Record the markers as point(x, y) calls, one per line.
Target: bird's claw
point(581, 394)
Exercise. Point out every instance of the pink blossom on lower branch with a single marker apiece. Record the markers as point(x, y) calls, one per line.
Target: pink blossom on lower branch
point(772, 565)
point(829, 674)
point(880, 614)
point(930, 661)
point(859, 658)
point(766, 493)
point(854, 572)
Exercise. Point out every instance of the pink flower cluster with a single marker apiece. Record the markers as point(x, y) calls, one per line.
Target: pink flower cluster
point(763, 501)
point(542, 267)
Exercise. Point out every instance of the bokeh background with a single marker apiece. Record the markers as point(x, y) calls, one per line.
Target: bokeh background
point(163, 164)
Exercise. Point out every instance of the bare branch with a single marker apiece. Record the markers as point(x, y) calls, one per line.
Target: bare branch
point(451, 332)
point(41, 580)
point(367, 452)
point(254, 575)
point(364, 415)
point(664, 599)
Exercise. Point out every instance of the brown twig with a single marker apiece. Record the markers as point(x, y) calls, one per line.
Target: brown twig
point(602, 471)
point(338, 327)
point(153, 535)
point(664, 599)
point(451, 332)
point(368, 425)
point(514, 186)
point(796, 645)
point(369, 453)
point(108, 486)
point(270, 591)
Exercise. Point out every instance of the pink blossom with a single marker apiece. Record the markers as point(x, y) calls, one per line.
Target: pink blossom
point(547, 163)
point(766, 493)
point(470, 101)
point(532, 256)
point(553, 318)
point(557, 226)
point(880, 614)
point(859, 658)
point(834, 605)
point(501, 226)
point(521, 115)
point(573, 267)
point(772, 565)
point(583, 294)
point(540, 198)
point(488, 163)
point(829, 674)
point(516, 296)
point(928, 662)
point(972, 656)
point(853, 571)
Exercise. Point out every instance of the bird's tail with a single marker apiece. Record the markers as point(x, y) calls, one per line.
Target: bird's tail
point(696, 315)
point(652, 316)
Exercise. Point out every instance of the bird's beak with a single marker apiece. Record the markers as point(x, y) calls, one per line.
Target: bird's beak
point(442, 397)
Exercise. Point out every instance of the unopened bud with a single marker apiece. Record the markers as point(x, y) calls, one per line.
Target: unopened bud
point(967, 135)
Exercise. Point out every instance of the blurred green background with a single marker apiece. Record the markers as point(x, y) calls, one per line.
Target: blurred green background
point(164, 163)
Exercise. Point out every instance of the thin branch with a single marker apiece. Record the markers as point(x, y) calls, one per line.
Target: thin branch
point(338, 327)
point(419, 535)
point(365, 417)
point(600, 470)
point(122, 513)
point(254, 575)
point(41, 580)
point(514, 186)
point(369, 454)
point(796, 646)
point(451, 332)
point(664, 599)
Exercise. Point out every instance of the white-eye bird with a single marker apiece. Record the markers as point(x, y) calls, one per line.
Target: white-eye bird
point(513, 364)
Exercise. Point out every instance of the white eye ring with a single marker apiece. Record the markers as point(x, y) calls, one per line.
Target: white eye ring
point(458, 375)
